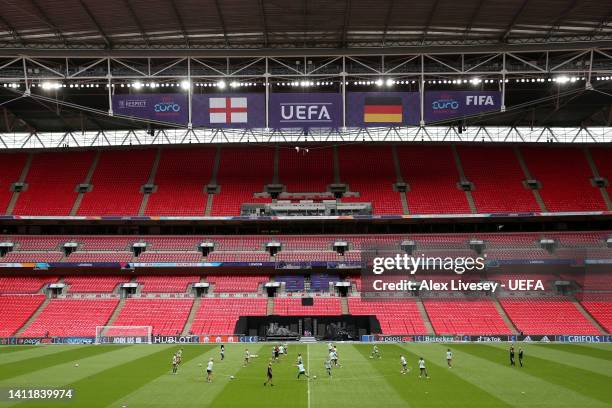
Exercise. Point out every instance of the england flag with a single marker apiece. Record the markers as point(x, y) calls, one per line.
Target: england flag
point(228, 110)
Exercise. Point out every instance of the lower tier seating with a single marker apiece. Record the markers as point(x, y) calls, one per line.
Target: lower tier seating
point(219, 316)
point(395, 317)
point(547, 316)
point(71, 317)
point(601, 311)
point(471, 317)
point(166, 316)
point(16, 310)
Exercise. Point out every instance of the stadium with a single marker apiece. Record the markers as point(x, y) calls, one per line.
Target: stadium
point(353, 203)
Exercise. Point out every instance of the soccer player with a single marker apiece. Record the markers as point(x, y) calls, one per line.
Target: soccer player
point(174, 363)
point(404, 364)
point(247, 356)
point(375, 352)
point(422, 368)
point(512, 356)
point(179, 354)
point(209, 371)
point(276, 353)
point(449, 358)
point(521, 356)
point(301, 371)
point(222, 352)
point(299, 359)
point(328, 367)
point(269, 380)
point(334, 357)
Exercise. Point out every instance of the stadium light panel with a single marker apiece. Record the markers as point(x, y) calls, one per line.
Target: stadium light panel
point(379, 82)
point(221, 84)
point(137, 85)
point(185, 84)
point(389, 82)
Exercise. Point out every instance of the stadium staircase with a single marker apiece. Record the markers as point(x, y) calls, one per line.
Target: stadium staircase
point(213, 181)
point(270, 306)
point(425, 317)
point(88, 177)
point(536, 193)
point(344, 305)
point(33, 317)
point(22, 178)
point(596, 174)
point(399, 179)
point(462, 178)
point(192, 314)
point(505, 316)
point(150, 181)
point(115, 313)
point(588, 316)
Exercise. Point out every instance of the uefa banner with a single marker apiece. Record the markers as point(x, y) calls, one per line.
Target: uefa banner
point(374, 109)
point(445, 105)
point(244, 110)
point(305, 110)
point(171, 108)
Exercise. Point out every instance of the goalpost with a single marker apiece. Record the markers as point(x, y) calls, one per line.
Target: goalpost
point(124, 335)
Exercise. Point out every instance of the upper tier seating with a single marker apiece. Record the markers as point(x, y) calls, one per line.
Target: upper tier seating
point(236, 283)
point(71, 317)
point(24, 284)
point(166, 284)
point(100, 257)
point(219, 316)
point(181, 179)
point(565, 177)
point(166, 316)
point(432, 175)
point(16, 310)
point(169, 257)
point(469, 317)
point(12, 166)
point(372, 175)
point(601, 157)
point(116, 182)
point(94, 283)
point(601, 311)
point(55, 177)
point(321, 307)
point(242, 172)
point(503, 193)
point(394, 316)
point(554, 316)
point(303, 172)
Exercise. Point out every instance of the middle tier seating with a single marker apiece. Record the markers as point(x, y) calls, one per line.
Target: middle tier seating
point(166, 284)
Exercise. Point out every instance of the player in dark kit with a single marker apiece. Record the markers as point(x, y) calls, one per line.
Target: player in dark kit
point(269, 380)
point(512, 356)
point(521, 356)
point(222, 352)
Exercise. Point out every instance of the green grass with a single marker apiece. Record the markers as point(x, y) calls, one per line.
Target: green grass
point(555, 375)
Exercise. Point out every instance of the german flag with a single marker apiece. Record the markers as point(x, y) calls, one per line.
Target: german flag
point(382, 109)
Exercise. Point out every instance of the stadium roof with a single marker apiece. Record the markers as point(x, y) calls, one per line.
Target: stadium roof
point(235, 24)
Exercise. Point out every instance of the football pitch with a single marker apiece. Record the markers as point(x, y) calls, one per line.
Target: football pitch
point(554, 375)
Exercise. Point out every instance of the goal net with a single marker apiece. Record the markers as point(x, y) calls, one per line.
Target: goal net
point(123, 335)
